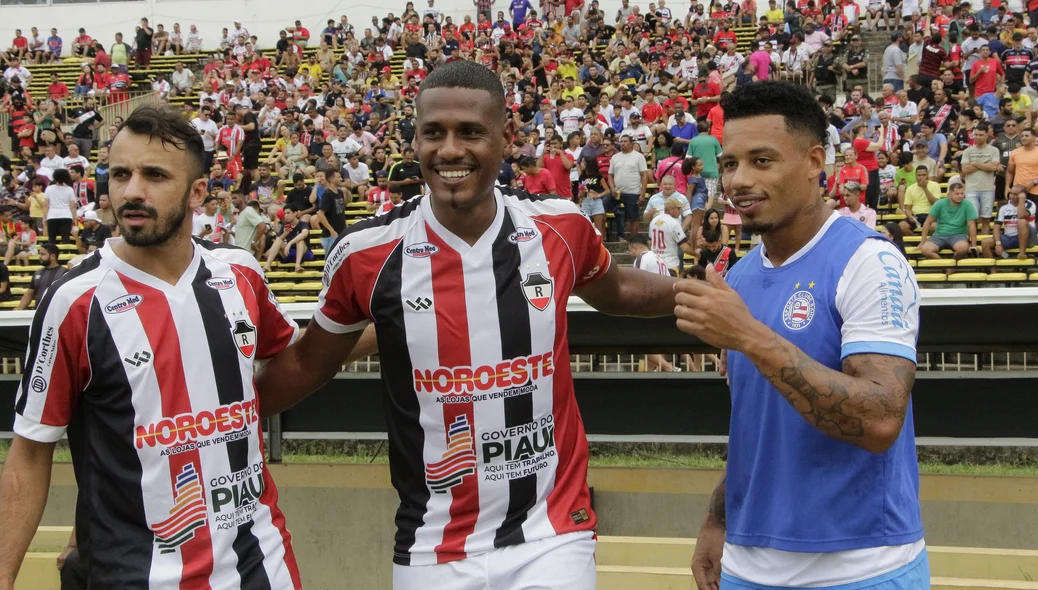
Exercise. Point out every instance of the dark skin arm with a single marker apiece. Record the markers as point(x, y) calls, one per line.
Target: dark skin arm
point(706, 560)
point(307, 364)
point(864, 404)
point(630, 292)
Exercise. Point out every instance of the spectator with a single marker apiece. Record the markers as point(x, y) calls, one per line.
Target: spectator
point(45, 277)
point(406, 175)
point(979, 164)
point(142, 56)
point(715, 253)
point(93, 234)
point(291, 246)
point(1023, 165)
point(1009, 232)
point(855, 208)
point(558, 163)
point(668, 238)
point(657, 202)
point(956, 225)
point(182, 81)
point(536, 180)
point(706, 147)
point(919, 199)
point(628, 177)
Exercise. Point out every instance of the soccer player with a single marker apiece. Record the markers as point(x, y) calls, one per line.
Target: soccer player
point(819, 328)
point(144, 355)
point(467, 286)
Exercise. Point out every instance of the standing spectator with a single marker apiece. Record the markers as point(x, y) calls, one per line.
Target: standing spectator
point(120, 51)
point(668, 238)
point(706, 147)
point(956, 225)
point(1014, 227)
point(60, 210)
point(894, 63)
point(979, 164)
point(331, 214)
point(142, 58)
point(866, 156)
point(856, 66)
point(628, 175)
point(716, 119)
point(209, 131)
point(671, 167)
point(406, 175)
point(1023, 165)
point(536, 180)
point(558, 163)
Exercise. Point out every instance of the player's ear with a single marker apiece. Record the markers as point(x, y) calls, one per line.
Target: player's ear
point(197, 193)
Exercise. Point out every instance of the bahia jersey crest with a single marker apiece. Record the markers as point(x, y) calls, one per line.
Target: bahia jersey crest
point(487, 448)
point(153, 384)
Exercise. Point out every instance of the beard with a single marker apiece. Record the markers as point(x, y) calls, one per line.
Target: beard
point(168, 225)
point(758, 227)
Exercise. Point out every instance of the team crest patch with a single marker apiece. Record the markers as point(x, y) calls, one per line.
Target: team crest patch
point(538, 290)
point(245, 337)
point(799, 310)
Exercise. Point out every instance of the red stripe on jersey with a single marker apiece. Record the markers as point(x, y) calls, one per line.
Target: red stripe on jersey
point(452, 329)
point(157, 320)
point(70, 357)
point(570, 492)
point(269, 498)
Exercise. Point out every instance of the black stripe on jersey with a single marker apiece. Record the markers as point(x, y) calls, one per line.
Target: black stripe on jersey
point(513, 314)
point(88, 264)
point(229, 387)
point(403, 412)
point(394, 214)
point(525, 196)
point(215, 245)
point(111, 527)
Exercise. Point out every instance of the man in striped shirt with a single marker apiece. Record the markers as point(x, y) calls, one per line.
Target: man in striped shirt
point(144, 355)
point(467, 286)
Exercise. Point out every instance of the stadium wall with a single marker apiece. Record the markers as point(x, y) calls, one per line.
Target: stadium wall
point(263, 18)
point(341, 516)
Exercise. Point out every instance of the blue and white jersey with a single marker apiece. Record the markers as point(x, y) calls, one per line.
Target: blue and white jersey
point(805, 509)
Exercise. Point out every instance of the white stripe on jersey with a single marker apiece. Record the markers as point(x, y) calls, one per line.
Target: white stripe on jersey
point(420, 329)
point(542, 338)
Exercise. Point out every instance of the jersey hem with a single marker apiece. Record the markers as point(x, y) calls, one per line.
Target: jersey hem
point(34, 431)
point(876, 347)
point(334, 327)
point(827, 546)
point(741, 584)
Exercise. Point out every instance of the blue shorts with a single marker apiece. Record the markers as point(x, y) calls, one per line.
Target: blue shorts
point(291, 258)
point(592, 207)
point(699, 203)
point(914, 576)
point(1014, 241)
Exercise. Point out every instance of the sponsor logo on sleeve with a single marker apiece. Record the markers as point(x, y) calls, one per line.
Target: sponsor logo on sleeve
point(124, 304)
point(898, 294)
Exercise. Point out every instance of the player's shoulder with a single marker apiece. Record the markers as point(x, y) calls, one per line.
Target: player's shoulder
point(228, 254)
point(537, 205)
point(72, 285)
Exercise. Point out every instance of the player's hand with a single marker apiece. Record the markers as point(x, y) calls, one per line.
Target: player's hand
point(63, 556)
point(714, 312)
point(706, 561)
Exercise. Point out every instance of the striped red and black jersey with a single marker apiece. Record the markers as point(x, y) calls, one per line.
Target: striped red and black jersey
point(153, 384)
point(487, 447)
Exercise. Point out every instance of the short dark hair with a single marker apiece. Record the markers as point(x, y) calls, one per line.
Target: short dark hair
point(465, 74)
point(52, 249)
point(168, 126)
point(955, 185)
point(61, 176)
point(638, 239)
point(527, 162)
point(793, 103)
point(711, 235)
point(928, 123)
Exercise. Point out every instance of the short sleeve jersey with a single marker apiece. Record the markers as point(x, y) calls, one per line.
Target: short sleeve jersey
point(486, 443)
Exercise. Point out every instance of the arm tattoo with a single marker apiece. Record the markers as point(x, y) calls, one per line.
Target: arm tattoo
point(716, 512)
point(871, 391)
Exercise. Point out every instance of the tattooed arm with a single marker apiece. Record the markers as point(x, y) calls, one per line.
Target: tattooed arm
point(864, 405)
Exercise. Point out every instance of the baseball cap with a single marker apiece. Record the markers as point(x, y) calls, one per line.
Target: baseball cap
point(91, 216)
point(636, 115)
point(387, 69)
point(381, 174)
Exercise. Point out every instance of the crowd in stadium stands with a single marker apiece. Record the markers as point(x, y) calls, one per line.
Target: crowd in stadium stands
point(620, 112)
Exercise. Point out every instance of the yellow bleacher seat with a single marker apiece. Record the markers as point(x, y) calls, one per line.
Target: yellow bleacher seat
point(911, 250)
point(976, 263)
point(935, 263)
point(1014, 263)
point(13, 304)
point(278, 287)
point(283, 299)
point(1007, 277)
point(968, 277)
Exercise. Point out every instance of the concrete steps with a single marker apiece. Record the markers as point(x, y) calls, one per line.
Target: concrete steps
point(39, 570)
point(651, 563)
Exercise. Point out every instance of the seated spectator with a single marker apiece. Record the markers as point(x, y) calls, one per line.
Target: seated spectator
point(45, 277)
point(919, 199)
point(855, 208)
point(182, 81)
point(81, 43)
point(953, 222)
point(93, 234)
point(379, 194)
point(209, 225)
point(291, 246)
point(1009, 231)
point(715, 253)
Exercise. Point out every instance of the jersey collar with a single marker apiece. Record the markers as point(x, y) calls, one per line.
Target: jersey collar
point(803, 251)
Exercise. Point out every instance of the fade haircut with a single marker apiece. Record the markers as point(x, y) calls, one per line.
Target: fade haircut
point(464, 74)
point(168, 126)
point(793, 103)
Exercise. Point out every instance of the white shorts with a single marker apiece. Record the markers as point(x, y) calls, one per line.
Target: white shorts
point(565, 562)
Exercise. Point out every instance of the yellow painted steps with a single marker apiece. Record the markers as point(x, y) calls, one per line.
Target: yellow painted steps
point(50, 538)
point(39, 570)
point(663, 564)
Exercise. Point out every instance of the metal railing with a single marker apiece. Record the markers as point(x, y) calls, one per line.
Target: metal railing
point(122, 109)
